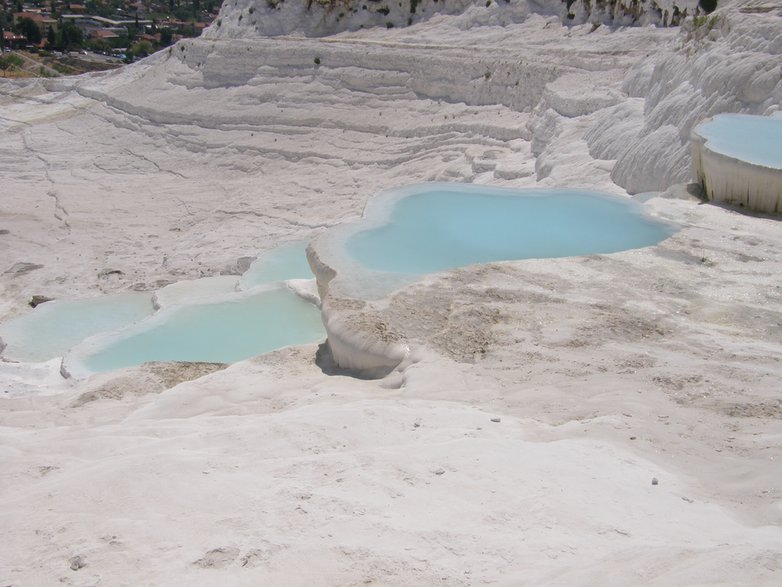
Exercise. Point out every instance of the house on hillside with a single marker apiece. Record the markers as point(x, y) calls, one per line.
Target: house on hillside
point(13, 41)
point(88, 24)
point(44, 23)
point(107, 35)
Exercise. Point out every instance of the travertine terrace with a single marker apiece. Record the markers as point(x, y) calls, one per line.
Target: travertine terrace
point(612, 419)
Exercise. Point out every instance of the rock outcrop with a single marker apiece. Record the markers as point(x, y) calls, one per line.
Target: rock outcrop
point(315, 18)
point(726, 62)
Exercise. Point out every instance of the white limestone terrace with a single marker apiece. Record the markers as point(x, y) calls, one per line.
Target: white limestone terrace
point(347, 286)
point(724, 62)
point(519, 444)
point(738, 160)
point(197, 134)
point(315, 18)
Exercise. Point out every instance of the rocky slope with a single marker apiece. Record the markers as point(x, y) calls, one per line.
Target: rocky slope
point(251, 18)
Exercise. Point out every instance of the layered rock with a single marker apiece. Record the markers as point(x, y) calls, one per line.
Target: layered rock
point(248, 18)
point(726, 62)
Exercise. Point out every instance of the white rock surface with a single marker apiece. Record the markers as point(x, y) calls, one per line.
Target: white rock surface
point(725, 62)
point(605, 372)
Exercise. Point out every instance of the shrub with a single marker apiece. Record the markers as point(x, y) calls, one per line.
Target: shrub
point(10, 61)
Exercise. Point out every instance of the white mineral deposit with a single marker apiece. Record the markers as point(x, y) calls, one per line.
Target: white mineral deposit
point(738, 159)
point(609, 419)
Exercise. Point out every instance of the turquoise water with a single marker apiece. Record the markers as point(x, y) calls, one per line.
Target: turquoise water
point(206, 321)
point(287, 261)
point(439, 228)
point(52, 328)
point(755, 139)
point(222, 332)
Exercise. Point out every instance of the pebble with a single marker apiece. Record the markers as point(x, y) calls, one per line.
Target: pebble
point(495, 420)
point(76, 562)
point(655, 481)
point(37, 300)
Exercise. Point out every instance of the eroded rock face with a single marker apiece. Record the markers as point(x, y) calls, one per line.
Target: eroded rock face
point(726, 62)
point(315, 18)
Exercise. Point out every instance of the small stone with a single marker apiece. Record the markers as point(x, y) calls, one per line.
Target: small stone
point(633, 437)
point(37, 300)
point(108, 272)
point(243, 264)
point(439, 471)
point(76, 562)
point(655, 481)
point(496, 420)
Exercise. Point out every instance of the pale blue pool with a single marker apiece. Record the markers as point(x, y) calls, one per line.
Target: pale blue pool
point(223, 332)
point(288, 261)
point(210, 320)
point(52, 328)
point(435, 227)
point(754, 139)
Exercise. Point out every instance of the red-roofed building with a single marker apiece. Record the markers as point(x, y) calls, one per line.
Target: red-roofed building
point(44, 22)
point(104, 34)
point(13, 41)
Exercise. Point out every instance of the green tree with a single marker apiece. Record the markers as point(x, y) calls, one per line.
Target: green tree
point(10, 61)
point(142, 49)
point(29, 29)
point(51, 37)
point(99, 45)
point(165, 37)
point(69, 37)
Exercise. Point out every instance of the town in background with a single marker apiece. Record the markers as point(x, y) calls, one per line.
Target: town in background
point(51, 38)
